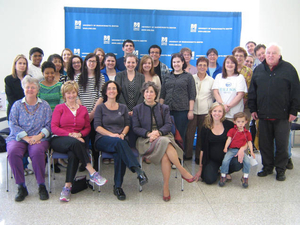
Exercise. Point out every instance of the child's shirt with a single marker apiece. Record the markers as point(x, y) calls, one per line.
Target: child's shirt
point(239, 138)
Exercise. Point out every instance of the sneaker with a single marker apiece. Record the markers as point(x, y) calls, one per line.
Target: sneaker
point(43, 192)
point(290, 164)
point(22, 193)
point(222, 181)
point(27, 172)
point(96, 178)
point(244, 182)
point(65, 194)
point(173, 167)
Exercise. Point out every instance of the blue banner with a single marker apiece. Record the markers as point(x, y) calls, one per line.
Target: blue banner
point(89, 28)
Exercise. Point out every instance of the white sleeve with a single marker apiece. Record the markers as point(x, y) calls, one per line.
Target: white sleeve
point(216, 84)
point(241, 85)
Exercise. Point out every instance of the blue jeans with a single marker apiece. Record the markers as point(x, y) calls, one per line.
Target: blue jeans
point(227, 159)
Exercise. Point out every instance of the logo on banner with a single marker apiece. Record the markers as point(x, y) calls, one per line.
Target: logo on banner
point(77, 24)
point(77, 51)
point(193, 55)
point(106, 39)
point(164, 40)
point(193, 27)
point(136, 26)
point(136, 52)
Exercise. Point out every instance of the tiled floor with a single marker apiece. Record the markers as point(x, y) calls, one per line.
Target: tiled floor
point(266, 201)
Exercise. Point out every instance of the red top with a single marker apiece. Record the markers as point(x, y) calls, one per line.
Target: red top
point(239, 138)
point(64, 122)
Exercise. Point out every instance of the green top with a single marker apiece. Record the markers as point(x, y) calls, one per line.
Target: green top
point(51, 94)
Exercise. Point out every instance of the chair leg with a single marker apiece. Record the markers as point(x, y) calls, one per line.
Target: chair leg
point(7, 188)
point(181, 177)
point(99, 167)
point(141, 163)
point(49, 170)
point(92, 163)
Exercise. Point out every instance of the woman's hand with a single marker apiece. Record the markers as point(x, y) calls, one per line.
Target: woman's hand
point(153, 135)
point(198, 174)
point(130, 113)
point(227, 108)
point(190, 115)
point(32, 140)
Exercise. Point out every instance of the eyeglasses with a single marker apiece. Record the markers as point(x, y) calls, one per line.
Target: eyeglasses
point(92, 61)
point(157, 53)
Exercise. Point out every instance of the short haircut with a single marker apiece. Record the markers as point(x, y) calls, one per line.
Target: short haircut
point(129, 55)
point(240, 115)
point(68, 86)
point(104, 90)
point(30, 80)
point(233, 59)
point(46, 65)
point(239, 49)
point(155, 46)
point(202, 59)
point(250, 42)
point(57, 56)
point(35, 49)
point(178, 55)
point(148, 84)
point(212, 50)
point(13, 70)
point(128, 41)
point(183, 50)
point(143, 61)
point(259, 46)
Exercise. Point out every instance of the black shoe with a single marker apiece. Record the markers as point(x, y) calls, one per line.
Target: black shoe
point(56, 168)
point(81, 168)
point(43, 192)
point(143, 179)
point(290, 164)
point(119, 193)
point(280, 176)
point(22, 193)
point(264, 173)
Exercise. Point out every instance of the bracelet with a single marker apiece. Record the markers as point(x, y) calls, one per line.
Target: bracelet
point(124, 134)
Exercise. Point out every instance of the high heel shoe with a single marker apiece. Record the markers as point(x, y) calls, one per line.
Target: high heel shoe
point(168, 198)
point(191, 180)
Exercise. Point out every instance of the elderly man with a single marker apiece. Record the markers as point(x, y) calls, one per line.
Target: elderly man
point(160, 68)
point(274, 99)
point(260, 52)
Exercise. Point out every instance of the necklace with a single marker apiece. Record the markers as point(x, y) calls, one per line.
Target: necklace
point(37, 106)
point(71, 107)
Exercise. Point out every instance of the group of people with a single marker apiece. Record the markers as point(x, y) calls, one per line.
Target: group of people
point(100, 99)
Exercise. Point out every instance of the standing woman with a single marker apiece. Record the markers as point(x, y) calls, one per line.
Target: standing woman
point(130, 82)
point(101, 54)
point(110, 70)
point(58, 62)
point(66, 54)
point(230, 87)
point(187, 54)
point(90, 84)
point(36, 56)
point(29, 123)
point(112, 126)
point(74, 67)
point(147, 68)
point(203, 102)
point(151, 121)
point(179, 92)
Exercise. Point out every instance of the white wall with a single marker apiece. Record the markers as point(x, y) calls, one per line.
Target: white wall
point(41, 23)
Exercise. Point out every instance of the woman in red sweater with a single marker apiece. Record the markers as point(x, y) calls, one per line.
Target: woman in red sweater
point(70, 124)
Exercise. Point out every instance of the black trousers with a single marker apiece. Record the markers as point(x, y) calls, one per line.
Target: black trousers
point(76, 151)
point(268, 131)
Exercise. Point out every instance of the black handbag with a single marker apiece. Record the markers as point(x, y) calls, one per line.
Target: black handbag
point(80, 183)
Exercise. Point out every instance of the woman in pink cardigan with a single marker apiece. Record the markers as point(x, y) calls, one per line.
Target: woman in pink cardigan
point(70, 124)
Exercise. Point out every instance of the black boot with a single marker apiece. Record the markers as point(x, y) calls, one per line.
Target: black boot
point(22, 193)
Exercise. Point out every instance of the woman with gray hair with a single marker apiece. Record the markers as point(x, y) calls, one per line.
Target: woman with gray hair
point(29, 123)
point(151, 121)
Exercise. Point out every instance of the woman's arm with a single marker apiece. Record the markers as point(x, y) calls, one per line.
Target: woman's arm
point(217, 96)
point(191, 110)
point(136, 124)
point(239, 96)
point(92, 113)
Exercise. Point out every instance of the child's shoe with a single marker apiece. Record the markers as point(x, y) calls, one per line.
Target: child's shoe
point(222, 181)
point(244, 182)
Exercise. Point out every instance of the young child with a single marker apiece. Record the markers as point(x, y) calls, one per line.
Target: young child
point(238, 137)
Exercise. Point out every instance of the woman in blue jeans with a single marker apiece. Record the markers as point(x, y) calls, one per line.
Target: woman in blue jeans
point(178, 91)
point(111, 122)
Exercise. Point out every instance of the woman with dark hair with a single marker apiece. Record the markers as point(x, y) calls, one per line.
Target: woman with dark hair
point(151, 121)
point(187, 54)
point(179, 92)
point(36, 56)
point(147, 68)
point(90, 84)
point(58, 62)
point(112, 125)
point(230, 87)
point(74, 67)
point(130, 82)
point(66, 54)
point(101, 54)
point(110, 70)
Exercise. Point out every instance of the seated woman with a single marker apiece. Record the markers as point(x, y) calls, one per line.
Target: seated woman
point(70, 123)
point(29, 124)
point(111, 122)
point(213, 139)
point(152, 122)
